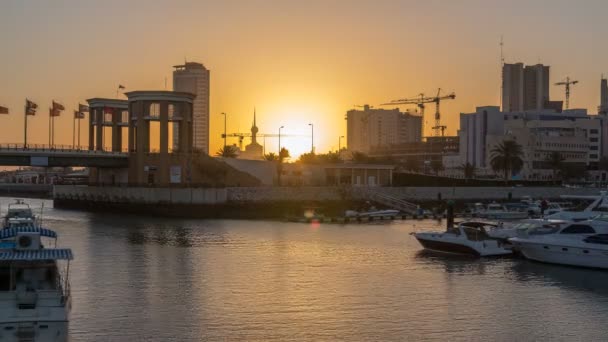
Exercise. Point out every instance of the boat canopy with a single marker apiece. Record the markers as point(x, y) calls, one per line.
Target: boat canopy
point(11, 232)
point(39, 254)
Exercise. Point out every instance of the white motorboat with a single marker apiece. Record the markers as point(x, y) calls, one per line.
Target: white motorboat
point(19, 214)
point(583, 243)
point(468, 237)
point(495, 211)
point(506, 230)
point(372, 213)
point(34, 290)
point(598, 206)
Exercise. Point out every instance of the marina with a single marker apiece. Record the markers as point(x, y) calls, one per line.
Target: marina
point(306, 282)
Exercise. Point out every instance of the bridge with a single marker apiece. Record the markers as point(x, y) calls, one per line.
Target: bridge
point(60, 155)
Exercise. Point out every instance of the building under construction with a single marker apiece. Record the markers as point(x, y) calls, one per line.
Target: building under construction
point(373, 128)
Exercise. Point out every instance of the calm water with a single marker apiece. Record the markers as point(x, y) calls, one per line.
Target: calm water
point(149, 279)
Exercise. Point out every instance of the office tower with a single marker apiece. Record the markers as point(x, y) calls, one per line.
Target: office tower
point(193, 78)
point(536, 87)
point(525, 88)
point(603, 108)
point(513, 87)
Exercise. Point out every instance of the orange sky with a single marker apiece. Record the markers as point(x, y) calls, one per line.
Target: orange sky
point(295, 61)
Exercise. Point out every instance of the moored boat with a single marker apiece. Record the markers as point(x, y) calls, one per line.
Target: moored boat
point(35, 297)
point(470, 238)
point(583, 244)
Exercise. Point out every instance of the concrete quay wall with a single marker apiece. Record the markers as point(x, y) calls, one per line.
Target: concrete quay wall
point(278, 194)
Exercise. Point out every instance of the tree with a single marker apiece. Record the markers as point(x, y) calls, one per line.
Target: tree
point(556, 161)
point(271, 156)
point(436, 165)
point(227, 152)
point(506, 158)
point(284, 154)
point(308, 158)
point(468, 170)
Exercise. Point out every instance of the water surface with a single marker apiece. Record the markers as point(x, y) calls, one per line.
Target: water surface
point(138, 278)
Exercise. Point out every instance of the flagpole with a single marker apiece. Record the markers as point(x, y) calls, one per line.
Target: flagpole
point(78, 131)
point(74, 132)
point(25, 128)
point(50, 111)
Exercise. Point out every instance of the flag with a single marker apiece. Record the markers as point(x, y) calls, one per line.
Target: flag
point(30, 107)
point(54, 112)
point(78, 115)
point(3, 110)
point(120, 86)
point(57, 107)
point(83, 108)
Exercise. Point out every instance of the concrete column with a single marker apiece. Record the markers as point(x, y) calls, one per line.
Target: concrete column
point(92, 115)
point(99, 129)
point(163, 167)
point(352, 176)
point(116, 130)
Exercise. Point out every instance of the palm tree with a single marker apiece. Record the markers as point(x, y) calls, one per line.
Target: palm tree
point(271, 156)
point(308, 158)
point(556, 162)
point(506, 157)
point(227, 152)
point(283, 154)
point(469, 170)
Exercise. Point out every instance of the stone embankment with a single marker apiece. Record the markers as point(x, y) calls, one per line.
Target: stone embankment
point(268, 202)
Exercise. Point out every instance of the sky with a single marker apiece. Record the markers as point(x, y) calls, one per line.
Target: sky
point(296, 62)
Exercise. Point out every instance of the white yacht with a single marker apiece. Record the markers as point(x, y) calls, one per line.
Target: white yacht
point(34, 288)
point(468, 237)
point(598, 206)
point(19, 214)
point(495, 211)
point(506, 230)
point(583, 243)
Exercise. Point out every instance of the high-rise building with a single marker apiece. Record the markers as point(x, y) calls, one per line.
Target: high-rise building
point(512, 87)
point(536, 87)
point(525, 88)
point(193, 78)
point(373, 127)
point(603, 108)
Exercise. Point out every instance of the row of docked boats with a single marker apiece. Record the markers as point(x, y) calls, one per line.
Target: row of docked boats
point(567, 237)
point(35, 299)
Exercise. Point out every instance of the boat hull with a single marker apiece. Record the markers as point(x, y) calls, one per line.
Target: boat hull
point(449, 243)
point(447, 247)
point(586, 256)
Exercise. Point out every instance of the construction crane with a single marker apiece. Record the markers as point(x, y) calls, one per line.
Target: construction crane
point(420, 100)
point(567, 84)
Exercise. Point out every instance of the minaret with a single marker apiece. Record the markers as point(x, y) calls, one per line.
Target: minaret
point(254, 129)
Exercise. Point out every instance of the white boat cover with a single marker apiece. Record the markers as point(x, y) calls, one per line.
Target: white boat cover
point(39, 254)
point(11, 232)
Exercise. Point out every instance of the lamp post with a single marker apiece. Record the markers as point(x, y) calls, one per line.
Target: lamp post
point(225, 116)
point(279, 155)
point(312, 140)
point(340, 143)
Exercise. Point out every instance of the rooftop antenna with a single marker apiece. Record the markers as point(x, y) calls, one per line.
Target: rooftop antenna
point(502, 76)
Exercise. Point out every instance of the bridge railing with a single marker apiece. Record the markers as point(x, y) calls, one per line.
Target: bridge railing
point(55, 148)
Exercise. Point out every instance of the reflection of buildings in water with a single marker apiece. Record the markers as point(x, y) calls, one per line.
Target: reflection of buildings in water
point(453, 263)
point(562, 276)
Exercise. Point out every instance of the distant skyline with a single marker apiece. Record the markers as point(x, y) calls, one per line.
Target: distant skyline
point(296, 62)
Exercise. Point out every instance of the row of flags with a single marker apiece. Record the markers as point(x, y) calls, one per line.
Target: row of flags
point(55, 109)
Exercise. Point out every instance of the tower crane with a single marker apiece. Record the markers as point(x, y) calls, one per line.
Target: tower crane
point(567, 84)
point(420, 101)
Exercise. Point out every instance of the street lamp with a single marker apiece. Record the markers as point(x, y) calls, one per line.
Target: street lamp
point(225, 136)
point(312, 140)
point(280, 141)
point(340, 143)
